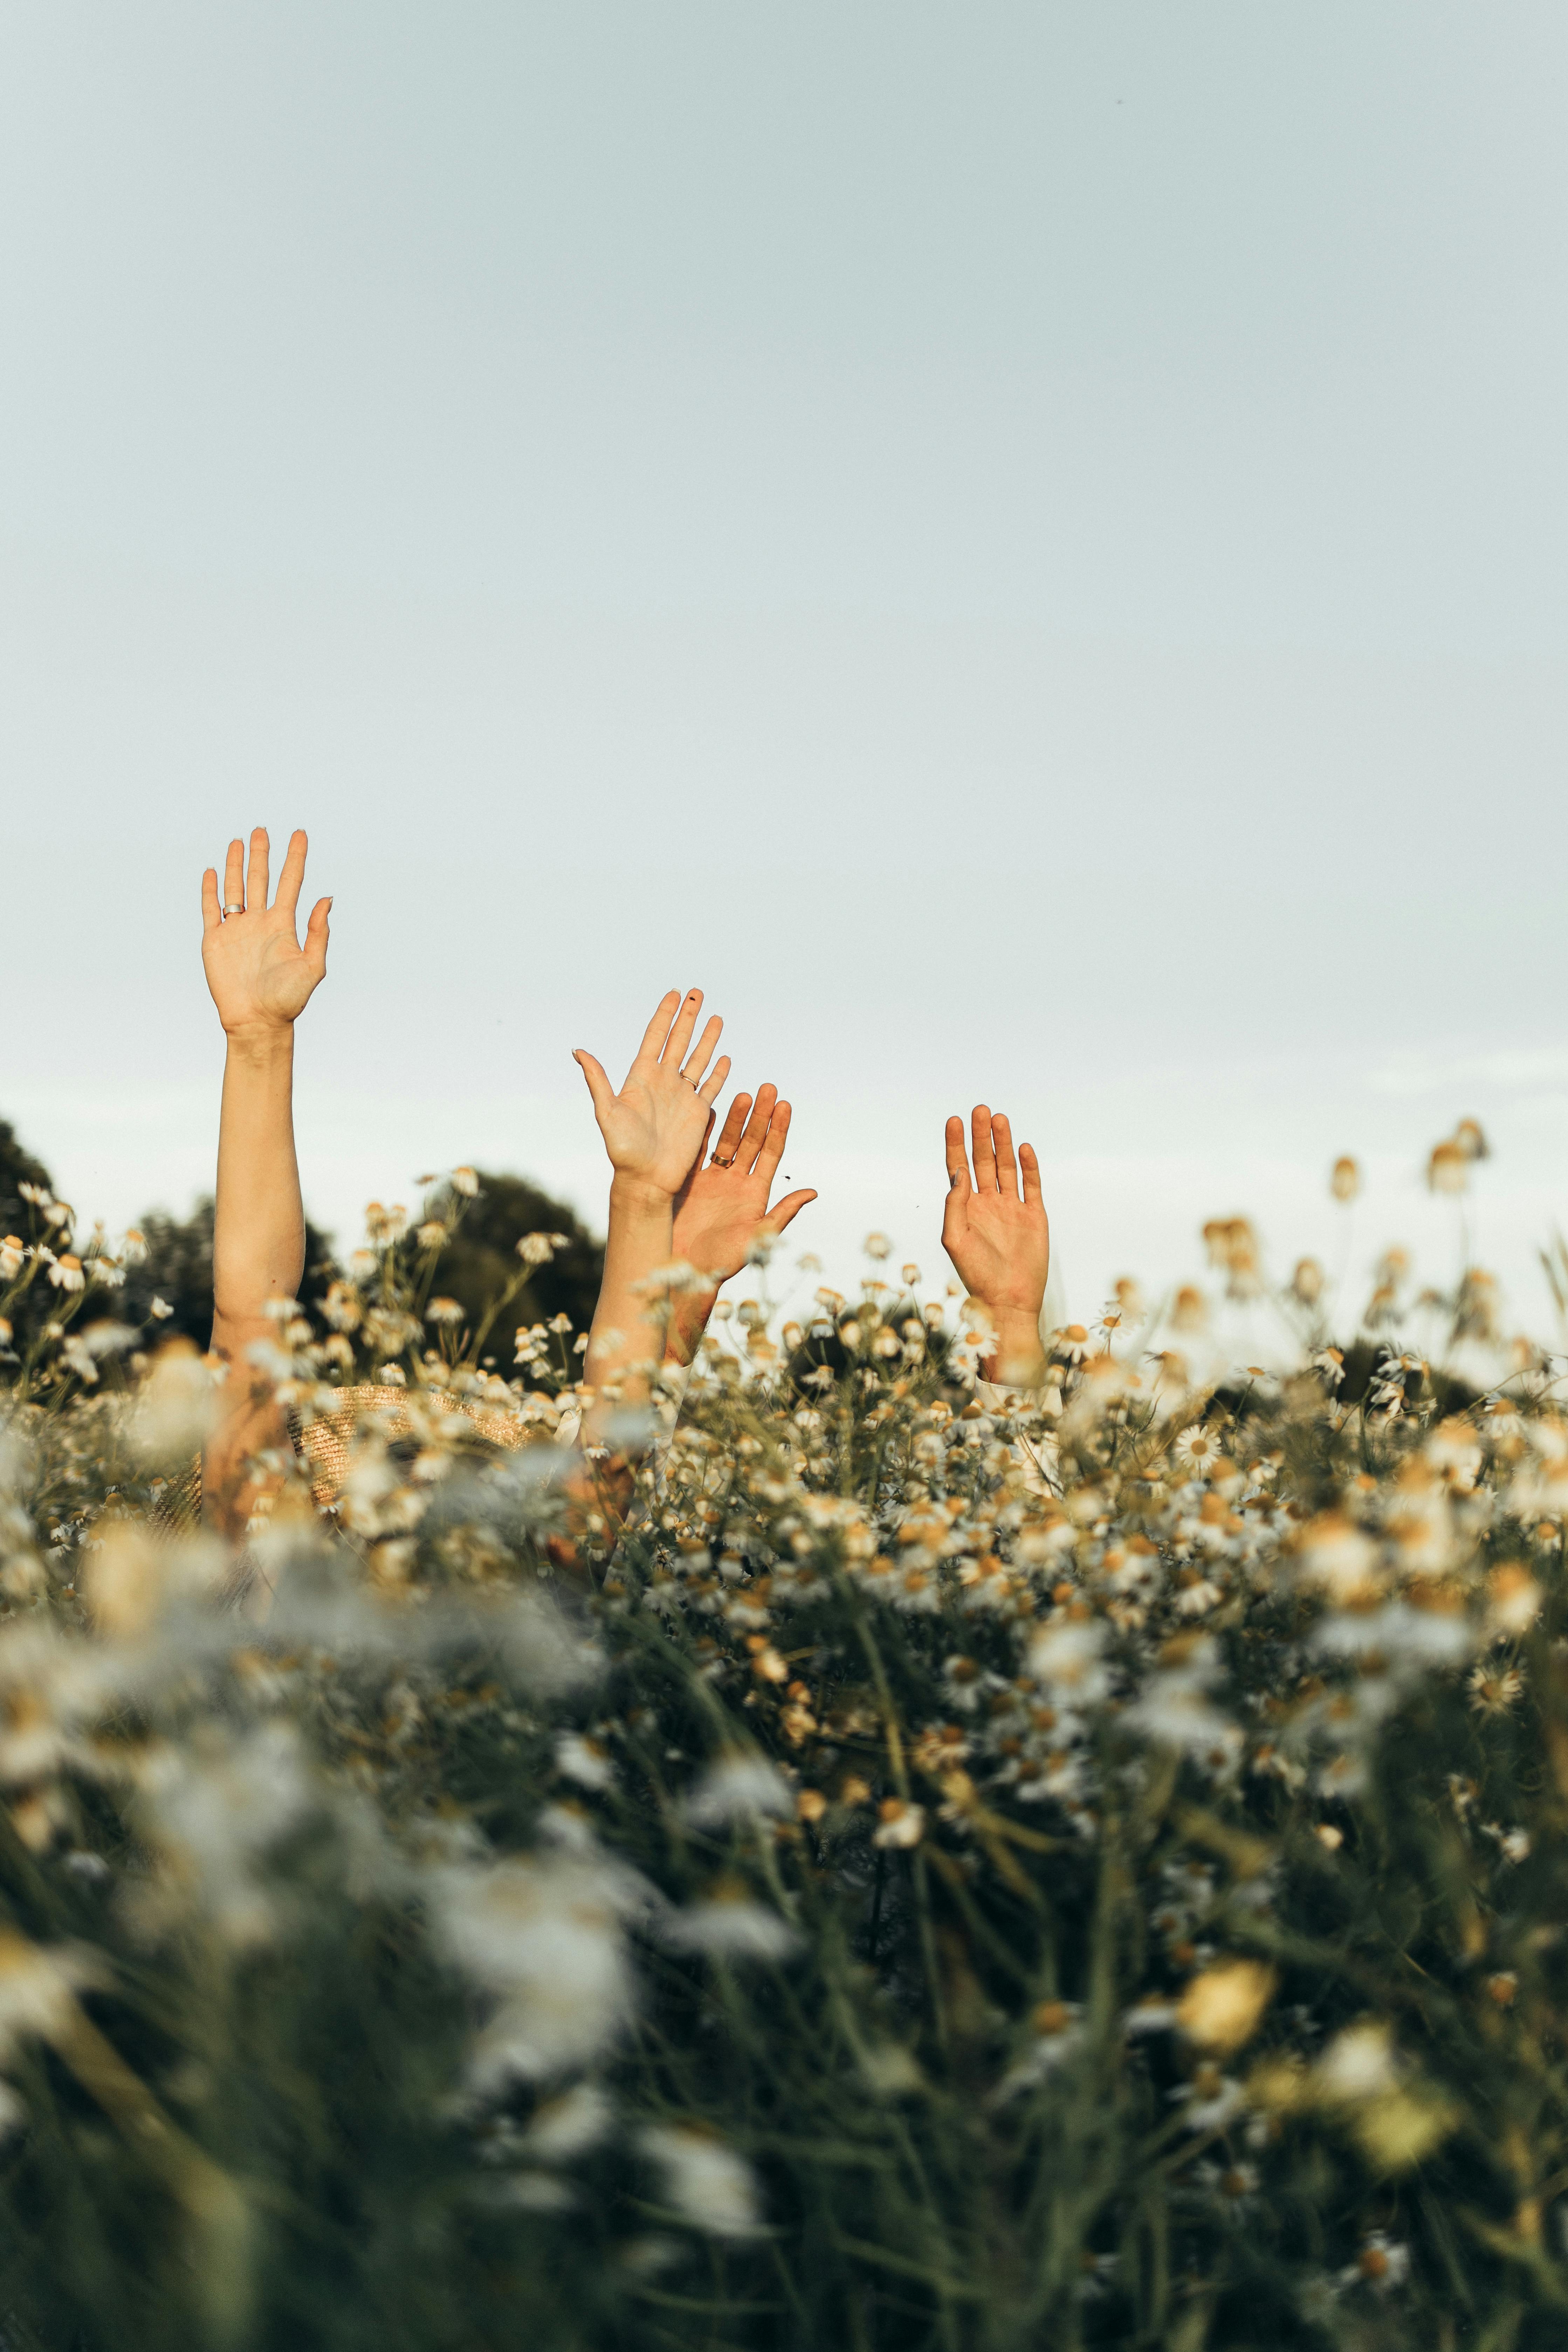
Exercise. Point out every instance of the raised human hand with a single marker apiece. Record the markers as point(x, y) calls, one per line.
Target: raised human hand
point(259, 975)
point(654, 1127)
point(997, 1233)
point(723, 1207)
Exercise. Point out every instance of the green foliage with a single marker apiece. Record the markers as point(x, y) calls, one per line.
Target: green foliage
point(475, 1268)
point(18, 1167)
point(177, 1269)
point(479, 1262)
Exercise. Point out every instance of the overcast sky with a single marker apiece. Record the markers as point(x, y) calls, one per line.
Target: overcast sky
point(1022, 547)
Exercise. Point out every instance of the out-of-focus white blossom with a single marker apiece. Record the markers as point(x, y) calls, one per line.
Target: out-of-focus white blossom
point(583, 1761)
point(739, 1788)
point(175, 1406)
point(542, 1934)
point(39, 1986)
point(213, 1808)
point(731, 1929)
point(567, 2127)
point(705, 2180)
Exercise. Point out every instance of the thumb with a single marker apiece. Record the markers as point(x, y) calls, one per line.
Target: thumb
point(599, 1086)
point(787, 1210)
point(317, 933)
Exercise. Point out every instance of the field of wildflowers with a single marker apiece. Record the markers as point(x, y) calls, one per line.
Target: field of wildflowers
point(853, 1862)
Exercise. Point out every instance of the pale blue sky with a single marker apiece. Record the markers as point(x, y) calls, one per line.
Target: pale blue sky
point(1022, 547)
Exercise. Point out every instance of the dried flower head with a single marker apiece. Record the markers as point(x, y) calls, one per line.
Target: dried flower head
point(1447, 1168)
point(1513, 1598)
point(1222, 2008)
point(1232, 1244)
point(1308, 1282)
point(1344, 1179)
point(1189, 1310)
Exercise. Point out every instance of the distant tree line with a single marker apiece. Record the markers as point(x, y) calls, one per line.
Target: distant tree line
point(479, 1262)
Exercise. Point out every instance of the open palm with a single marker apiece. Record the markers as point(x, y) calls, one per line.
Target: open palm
point(655, 1124)
point(995, 1230)
point(723, 1207)
point(259, 975)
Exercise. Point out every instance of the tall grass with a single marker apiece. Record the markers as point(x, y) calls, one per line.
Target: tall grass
point(853, 1863)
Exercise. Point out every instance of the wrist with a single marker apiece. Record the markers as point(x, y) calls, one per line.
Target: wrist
point(639, 1196)
point(1015, 1357)
point(261, 1040)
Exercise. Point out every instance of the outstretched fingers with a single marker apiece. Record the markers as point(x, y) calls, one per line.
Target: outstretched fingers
point(702, 1054)
point(983, 1148)
point(234, 877)
point(771, 1146)
point(657, 1030)
point(729, 1134)
point(1006, 1165)
point(754, 1141)
point(257, 872)
point(674, 1047)
point(713, 1085)
point(957, 1160)
point(291, 881)
point(212, 913)
point(1032, 1196)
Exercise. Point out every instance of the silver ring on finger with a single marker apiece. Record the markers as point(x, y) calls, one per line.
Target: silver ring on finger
point(233, 910)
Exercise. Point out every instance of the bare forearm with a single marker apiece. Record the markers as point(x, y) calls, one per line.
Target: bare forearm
point(1017, 1360)
point(627, 1333)
point(261, 979)
point(258, 1233)
point(259, 1254)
